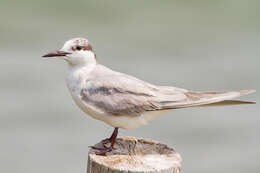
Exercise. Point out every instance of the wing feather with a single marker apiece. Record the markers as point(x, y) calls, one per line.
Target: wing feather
point(207, 98)
point(120, 94)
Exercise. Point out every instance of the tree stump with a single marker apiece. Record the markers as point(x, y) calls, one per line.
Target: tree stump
point(134, 156)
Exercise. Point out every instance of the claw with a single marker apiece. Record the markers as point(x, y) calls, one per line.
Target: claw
point(106, 141)
point(97, 148)
point(102, 151)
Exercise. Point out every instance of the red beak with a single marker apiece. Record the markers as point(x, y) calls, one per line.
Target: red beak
point(56, 53)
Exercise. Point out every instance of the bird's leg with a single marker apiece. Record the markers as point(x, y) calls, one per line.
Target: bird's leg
point(103, 150)
point(112, 138)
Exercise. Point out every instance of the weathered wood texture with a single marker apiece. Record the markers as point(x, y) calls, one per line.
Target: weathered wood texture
point(135, 155)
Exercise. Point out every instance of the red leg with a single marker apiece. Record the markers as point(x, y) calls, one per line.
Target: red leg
point(112, 137)
point(103, 150)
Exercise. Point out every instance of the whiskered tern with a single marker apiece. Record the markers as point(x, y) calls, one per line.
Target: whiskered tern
point(121, 100)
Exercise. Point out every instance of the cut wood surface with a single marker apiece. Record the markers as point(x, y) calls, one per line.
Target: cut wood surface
point(135, 155)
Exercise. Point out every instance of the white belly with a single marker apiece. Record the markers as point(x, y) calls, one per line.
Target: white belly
point(75, 83)
point(125, 122)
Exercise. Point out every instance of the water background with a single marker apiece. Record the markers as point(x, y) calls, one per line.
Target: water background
point(198, 45)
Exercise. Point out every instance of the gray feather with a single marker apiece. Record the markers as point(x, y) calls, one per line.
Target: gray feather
point(120, 94)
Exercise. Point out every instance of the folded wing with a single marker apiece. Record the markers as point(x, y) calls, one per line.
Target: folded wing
point(208, 99)
point(120, 94)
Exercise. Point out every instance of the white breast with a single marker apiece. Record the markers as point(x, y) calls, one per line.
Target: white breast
point(76, 81)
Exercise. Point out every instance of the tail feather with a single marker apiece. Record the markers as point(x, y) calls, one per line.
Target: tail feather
point(227, 103)
point(209, 99)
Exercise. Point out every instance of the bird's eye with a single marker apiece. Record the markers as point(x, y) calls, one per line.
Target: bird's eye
point(78, 47)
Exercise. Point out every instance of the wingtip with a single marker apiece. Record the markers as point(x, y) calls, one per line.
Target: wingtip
point(247, 102)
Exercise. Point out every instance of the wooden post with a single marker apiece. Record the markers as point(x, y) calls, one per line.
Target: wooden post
point(133, 155)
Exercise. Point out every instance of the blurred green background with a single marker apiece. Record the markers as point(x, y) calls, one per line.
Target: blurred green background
point(198, 45)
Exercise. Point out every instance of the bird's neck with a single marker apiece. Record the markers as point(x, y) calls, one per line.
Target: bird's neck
point(84, 62)
point(83, 69)
point(77, 75)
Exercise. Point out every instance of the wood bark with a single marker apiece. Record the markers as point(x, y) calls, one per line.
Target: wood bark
point(133, 155)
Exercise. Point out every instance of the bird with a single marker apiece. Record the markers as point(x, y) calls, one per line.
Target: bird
point(121, 100)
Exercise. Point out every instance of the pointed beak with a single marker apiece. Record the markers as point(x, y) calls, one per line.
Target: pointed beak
point(56, 54)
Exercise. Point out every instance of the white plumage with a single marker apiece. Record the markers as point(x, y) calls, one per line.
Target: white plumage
point(121, 100)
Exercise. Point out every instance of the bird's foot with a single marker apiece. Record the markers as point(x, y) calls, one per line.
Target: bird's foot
point(106, 141)
point(102, 150)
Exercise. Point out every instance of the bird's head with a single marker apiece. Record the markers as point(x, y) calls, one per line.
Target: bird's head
point(76, 51)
